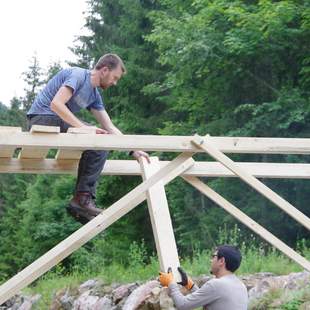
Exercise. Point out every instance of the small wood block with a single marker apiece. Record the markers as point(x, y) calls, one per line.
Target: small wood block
point(10, 129)
point(33, 152)
point(68, 154)
point(83, 130)
point(41, 128)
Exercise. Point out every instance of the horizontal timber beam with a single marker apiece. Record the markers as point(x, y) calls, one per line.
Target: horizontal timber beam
point(68, 141)
point(131, 167)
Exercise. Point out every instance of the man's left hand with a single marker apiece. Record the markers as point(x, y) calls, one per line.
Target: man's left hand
point(138, 154)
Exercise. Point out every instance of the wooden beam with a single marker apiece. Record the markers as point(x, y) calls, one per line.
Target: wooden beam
point(246, 220)
point(206, 145)
point(6, 131)
point(6, 152)
point(38, 152)
point(9, 129)
point(155, 143)
point(91, 229)
point(45, 129)
point(161, 221)
point(82, 130)
point(68, 154)
point(31, 152)
point(131, 167)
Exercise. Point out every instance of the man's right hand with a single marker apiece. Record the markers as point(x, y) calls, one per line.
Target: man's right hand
point(101, 131)
point(186, 281)
point(98, 130)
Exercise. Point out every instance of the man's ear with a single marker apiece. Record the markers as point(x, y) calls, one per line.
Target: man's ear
point(104, 69)
point(222, 260)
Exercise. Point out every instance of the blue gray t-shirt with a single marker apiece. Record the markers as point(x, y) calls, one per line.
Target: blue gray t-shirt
point(84, 94)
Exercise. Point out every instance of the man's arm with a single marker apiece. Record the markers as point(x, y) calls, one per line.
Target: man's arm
point(58, 105)
point(105, 121)
point(201, 297)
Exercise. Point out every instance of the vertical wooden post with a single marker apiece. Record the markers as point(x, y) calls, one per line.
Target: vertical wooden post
point(161, 220)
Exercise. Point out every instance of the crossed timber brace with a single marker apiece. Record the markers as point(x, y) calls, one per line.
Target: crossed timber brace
point(24, 152)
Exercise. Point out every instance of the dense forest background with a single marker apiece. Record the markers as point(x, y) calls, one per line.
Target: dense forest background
point(227, 68)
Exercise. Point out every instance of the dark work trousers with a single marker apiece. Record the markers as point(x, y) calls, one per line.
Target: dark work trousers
point(91, 162)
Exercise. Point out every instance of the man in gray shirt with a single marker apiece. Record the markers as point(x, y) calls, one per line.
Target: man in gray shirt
point(224, 292)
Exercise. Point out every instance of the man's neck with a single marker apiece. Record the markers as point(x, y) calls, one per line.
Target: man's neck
point(223, 273)
point(94, 78)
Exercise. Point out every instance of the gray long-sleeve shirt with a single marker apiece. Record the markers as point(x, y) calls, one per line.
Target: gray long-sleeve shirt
point(224, 293)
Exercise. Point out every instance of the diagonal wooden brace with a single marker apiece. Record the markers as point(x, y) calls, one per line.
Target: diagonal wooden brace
point(206, 145)
point(94, 227)
point(246, 220)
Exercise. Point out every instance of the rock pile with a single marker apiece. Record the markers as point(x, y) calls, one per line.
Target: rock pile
point(95, 295)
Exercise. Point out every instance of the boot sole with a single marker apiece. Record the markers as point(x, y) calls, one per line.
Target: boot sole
point(79, 214)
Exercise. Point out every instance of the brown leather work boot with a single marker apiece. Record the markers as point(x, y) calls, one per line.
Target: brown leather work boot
point(82, 207)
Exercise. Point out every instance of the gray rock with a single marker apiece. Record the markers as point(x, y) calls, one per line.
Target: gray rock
point(87, 285)
point(165, 302)
point(123, 291)
point(26, 305)
point(293, 281)
point(103, 303)
point(85, 302)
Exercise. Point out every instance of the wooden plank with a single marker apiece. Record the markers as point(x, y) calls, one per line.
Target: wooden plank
point(156, 143)
point(45, 129)
point(206, 145)
point(7, 151)
point(246, 220)
point(131, 167)
point(38, 166)
point(91, 229)
point(68, 154)
point(9, 129)
point(160, 219)
point(31, 152)
point(82, 130)
point(38, 152)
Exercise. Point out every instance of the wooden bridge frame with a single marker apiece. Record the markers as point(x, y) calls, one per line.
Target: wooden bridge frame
point(35, 145)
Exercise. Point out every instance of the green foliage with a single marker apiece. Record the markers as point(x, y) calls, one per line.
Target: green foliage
point(228, 68)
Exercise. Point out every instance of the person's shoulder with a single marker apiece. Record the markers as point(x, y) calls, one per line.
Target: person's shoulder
point(78, 70)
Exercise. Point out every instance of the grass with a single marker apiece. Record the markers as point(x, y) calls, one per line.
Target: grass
point(253, 262)
point(257, 257)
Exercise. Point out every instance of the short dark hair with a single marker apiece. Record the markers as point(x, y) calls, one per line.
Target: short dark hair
point(232, 256)
point(110, 61)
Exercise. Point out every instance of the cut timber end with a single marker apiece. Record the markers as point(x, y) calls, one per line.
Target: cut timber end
point(41, 128)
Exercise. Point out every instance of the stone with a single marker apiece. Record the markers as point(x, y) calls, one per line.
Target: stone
point(85, 301)
point(89, 284)
point(165, 302)
point(123, 291)
point(103, 303)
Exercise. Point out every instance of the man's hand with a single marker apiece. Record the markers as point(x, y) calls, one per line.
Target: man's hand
point(166, 278)
point(101, 131)
point(186, 281)
point(98, 130)
point(138, 154)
